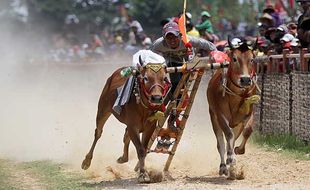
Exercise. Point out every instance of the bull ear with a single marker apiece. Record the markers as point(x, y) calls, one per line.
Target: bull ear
point(140, 61)
point(229, 43)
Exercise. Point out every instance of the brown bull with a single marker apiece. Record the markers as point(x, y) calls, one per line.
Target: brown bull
point(153, 86)
point(231, 96)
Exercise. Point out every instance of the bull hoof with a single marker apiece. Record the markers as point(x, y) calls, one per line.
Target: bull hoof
point(122, 160)
point(86, 163)
point(232, 172)
point(239, 150)
point(223, 170)
point(144, 178)
point(137, 168)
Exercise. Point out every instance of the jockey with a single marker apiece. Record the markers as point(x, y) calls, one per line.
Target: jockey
point(175, 51)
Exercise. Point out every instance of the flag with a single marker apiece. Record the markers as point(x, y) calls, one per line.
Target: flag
point(182, 27)
point(182, 24)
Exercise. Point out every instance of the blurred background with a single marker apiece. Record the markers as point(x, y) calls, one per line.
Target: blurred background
point(57, 54)
point(73, 29)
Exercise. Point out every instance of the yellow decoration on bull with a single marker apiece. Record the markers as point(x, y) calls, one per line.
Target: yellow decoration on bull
point(154, 67)
point(156, 116)
point(245, 108)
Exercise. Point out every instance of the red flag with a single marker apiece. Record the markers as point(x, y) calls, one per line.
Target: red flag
point(182, 24)
point(182, 27)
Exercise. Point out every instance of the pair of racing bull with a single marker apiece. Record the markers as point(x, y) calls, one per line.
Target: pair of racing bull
point(231, 93)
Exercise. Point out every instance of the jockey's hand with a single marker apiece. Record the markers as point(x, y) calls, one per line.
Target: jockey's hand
point(190, 50)
point(188, 45)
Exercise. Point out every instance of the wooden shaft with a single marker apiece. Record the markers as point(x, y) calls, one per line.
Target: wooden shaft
point(170, 105)
point(200, 64)
point(177, 92)
point(186, 89)
point(184, 118)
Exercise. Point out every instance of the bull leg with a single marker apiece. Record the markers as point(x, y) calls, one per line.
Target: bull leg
point(124, 157)
point(141, 152)
point(237, 129)
point(229, 135)
point(220, 143)
point(231, 160)
point(247, 131)
point(102, 116)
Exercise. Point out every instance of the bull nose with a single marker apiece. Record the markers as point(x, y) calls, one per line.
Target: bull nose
point(156, 99)
point(245, 81)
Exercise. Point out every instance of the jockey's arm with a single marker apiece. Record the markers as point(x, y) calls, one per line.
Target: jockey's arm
point(200, 43)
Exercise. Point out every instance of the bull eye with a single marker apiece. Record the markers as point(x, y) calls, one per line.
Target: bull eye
point(235, 60)
point(145, 79)
point(166, 80)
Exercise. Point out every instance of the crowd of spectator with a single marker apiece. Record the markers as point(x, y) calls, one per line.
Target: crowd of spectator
point(128, 38)
point(274, 34)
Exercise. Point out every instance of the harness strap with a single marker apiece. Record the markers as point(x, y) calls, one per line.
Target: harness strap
point(229, 91)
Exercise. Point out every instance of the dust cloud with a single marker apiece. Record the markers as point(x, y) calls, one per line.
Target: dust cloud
point(48, 111)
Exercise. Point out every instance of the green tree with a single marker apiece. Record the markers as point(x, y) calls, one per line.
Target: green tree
point(150, 13)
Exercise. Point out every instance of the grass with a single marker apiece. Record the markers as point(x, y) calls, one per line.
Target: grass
point(5, 176)
point(54, 176)
point(288, 144)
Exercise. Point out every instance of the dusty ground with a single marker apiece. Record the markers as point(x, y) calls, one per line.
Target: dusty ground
point(48, 112)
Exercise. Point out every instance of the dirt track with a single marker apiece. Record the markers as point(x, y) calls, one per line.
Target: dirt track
point(50, 114)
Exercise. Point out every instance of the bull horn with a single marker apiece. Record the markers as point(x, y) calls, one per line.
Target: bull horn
point(140, 61)
point(254, 46)
point(229, 43)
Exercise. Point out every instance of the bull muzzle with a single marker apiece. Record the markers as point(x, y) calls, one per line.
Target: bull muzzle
point(245, 81)
point(156, 99)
